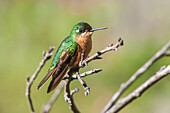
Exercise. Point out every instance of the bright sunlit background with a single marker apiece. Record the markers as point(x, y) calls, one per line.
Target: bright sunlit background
point(27, 27)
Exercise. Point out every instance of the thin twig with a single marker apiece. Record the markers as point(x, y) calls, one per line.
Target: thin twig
point(84, 75)
point(46, 108)
point(91, 72)
point(83, 83)
point(69, 95)
point(139, 72)
point(74, 91)
point(46, 56)
point(140, 90)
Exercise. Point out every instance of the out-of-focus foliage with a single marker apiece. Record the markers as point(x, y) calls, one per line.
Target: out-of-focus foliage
point(27, 27)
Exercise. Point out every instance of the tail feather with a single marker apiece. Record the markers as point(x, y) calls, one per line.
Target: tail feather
point(58, 72)
point(45, 79)
point(56, 81)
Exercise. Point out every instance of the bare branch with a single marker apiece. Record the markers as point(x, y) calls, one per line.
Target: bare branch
point(140, 90)
point(83, 83)
point(46, 55)
point(139, 72)
point(74, 91)
point(87, 73)
point(68, 96)
point(47, 107)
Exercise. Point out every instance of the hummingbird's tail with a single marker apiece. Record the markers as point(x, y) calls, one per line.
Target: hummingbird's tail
point(55, 81)
point(58, 72)
point(45, 79)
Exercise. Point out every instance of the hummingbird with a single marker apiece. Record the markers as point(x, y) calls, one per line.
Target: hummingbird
point(68, 54)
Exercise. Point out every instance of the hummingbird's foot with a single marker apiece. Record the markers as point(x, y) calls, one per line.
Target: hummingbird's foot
point(83, 83)
point(82, 63)
point(85, 64)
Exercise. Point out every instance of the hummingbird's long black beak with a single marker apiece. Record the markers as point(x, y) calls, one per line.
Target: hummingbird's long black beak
point(95, 29)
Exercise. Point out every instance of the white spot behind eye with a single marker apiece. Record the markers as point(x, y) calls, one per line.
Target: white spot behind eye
point(77, 30)
point(82, 34)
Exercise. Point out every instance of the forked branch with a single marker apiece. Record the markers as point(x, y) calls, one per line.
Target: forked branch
point(162, 52)
point(46, 56)
point(46, 108)
point(163, 72)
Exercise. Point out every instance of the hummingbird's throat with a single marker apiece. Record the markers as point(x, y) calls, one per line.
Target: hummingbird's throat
point(86, 33)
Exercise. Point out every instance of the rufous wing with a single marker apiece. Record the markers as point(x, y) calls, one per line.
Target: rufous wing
point(61, 70)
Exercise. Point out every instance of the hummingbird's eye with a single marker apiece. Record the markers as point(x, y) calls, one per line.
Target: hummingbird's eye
point(80, 31)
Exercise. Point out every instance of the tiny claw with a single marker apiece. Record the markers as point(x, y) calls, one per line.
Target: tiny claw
point(80, 64)
point(81, 61)
point(85, 64)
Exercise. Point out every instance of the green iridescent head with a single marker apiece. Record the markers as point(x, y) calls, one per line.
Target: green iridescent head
point(83, 27)
point(80, 28)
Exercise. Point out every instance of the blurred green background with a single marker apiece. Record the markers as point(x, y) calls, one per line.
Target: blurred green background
point(27, 27)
